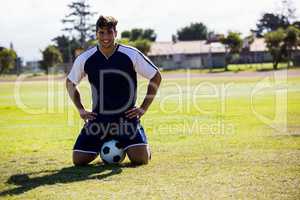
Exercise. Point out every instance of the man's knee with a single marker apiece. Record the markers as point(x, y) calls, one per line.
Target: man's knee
point(139, 155)
point(141, 161)
point(81, 159)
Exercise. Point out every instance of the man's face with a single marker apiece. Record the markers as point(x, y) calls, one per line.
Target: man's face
point(106, 37)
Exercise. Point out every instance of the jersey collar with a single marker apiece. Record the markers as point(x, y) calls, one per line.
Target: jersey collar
point(107, 57)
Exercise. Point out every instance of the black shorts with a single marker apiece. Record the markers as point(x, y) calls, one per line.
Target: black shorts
point(95, 133)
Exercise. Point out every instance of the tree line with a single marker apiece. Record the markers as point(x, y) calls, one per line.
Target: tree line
point(280, 30)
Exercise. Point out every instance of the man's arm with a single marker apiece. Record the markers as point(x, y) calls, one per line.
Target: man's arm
point(75, 97)
point(151, 92)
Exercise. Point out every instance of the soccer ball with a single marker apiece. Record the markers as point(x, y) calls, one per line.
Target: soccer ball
point(112, 152)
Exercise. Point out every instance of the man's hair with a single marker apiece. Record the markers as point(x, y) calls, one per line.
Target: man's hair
point(106, 21)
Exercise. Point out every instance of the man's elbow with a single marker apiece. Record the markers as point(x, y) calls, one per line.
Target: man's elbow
point(157, 77)
point(69, 84)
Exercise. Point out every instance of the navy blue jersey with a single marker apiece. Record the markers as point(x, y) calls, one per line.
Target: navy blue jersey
point(113, 80)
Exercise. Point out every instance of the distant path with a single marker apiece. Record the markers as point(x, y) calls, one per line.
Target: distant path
point(182, 75)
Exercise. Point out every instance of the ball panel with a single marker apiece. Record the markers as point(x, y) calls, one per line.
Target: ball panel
point(118, 145)
point(106, 150)
point(117, 158)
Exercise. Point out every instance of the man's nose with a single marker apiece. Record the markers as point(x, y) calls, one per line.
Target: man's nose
point(105, 36)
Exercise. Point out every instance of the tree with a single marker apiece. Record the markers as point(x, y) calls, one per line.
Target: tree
point(275, 43)
point(291, 41)
point(135, 34)
point(296, 24)
point(78, 20)
point(149, 34)
point(124, 41)
point(195, 31)
point(7, 59)
point(139, 34)
point(51, 57)
point(125, 34)
point(271, 22)
point(62, 43)
point(141, 44)
point(288, 10)
point(139, 38)
point(66, 47)
point(281, 19)
point(234, 43)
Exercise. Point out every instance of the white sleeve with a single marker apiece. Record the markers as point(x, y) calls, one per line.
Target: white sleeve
point(144, 66)
point(77, 71)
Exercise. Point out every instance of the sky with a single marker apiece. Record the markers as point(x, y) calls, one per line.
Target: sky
point(31, 24)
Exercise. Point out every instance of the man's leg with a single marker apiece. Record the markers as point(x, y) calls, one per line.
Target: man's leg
point(139, 154)
point(81, 159)
point(86, 147)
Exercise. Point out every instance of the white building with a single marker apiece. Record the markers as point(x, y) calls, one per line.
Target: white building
point(187, 54)
point(201, 54)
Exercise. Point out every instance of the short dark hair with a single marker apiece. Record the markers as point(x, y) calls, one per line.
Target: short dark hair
point(106, 21)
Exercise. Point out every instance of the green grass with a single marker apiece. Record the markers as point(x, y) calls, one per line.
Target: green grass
point(254, 67)
point(202, 148)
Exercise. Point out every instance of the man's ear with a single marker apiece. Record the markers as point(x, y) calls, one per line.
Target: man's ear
point(116, 33)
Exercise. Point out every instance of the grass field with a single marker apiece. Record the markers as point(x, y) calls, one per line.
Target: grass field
point(236, 68)
point(208, 142)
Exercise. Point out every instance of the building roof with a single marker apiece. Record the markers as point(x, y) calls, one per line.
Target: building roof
point(185, 47)
point(196, 47)
point(258, 45)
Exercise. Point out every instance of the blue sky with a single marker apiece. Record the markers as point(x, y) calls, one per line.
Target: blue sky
point(31, 24)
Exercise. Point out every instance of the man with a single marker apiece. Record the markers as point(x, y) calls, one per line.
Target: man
point(112, 71)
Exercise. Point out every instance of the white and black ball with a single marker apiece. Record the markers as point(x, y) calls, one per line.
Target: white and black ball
point(112, 152)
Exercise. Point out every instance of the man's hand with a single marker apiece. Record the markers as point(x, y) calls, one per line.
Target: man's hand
point(135, 112)
point(86, 115)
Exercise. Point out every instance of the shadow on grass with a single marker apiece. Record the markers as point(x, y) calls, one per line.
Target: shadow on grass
point(271, 69)
point(220, 71)
point(266, 69)
point(64, 175)
point(216, 71)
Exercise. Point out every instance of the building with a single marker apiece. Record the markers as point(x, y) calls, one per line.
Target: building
point(201, 54)
point(187, 54)
point(32, 66)
point(255, 52)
